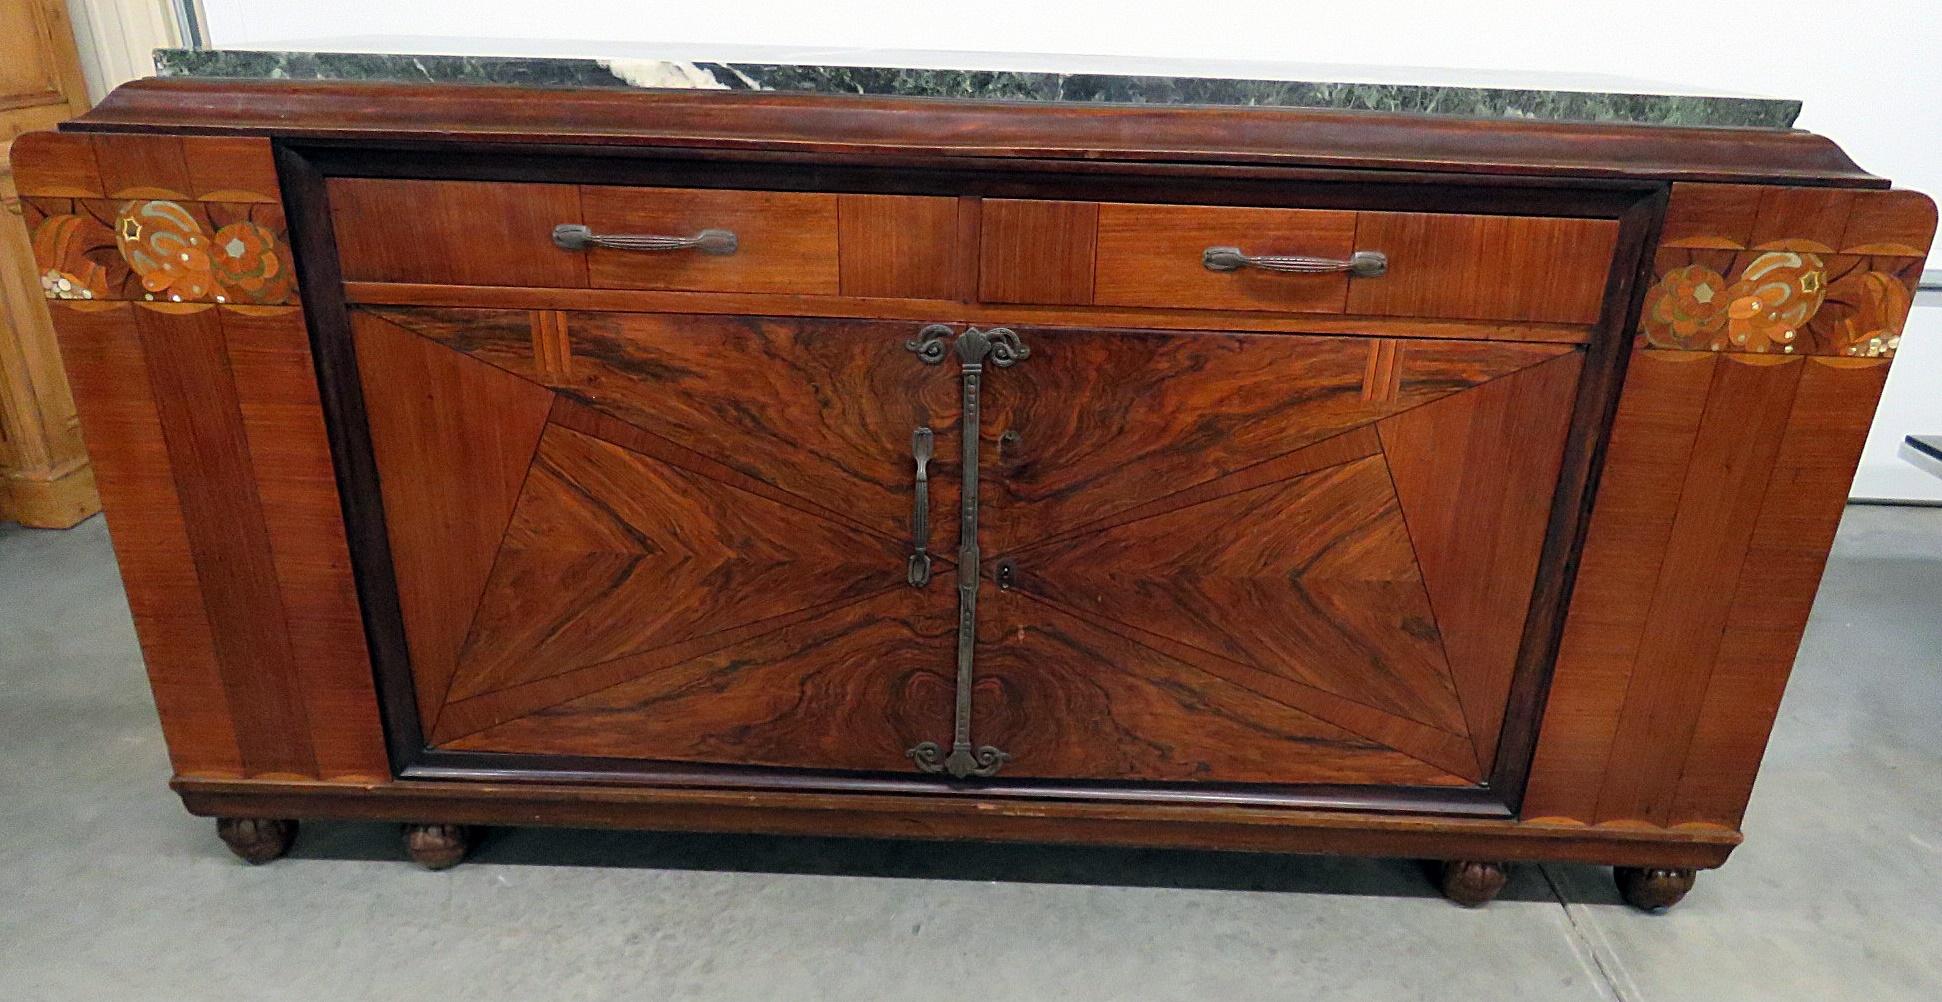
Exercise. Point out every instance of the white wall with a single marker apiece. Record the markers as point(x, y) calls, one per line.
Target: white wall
point(114, 39)
point(1868, 74)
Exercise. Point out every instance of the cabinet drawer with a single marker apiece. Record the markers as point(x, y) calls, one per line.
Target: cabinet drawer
point(1448, 266)
point(788, 243)
point(784, 241)
point(1150, 255)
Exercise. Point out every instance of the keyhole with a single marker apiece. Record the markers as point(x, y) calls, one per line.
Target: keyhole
point(1009, 440)
point(1007, 572)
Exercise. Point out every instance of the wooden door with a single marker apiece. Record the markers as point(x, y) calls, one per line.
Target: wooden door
point(45, 479)
point(1262, 558)
point(658, 537)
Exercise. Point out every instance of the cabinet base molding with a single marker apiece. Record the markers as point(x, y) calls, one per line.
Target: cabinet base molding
point(1246, 829)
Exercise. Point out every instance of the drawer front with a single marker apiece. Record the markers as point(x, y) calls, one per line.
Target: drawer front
point(1531, 268)
point(1150, 255)
point(1444, 266)
point(454, 232)
point(784, 243)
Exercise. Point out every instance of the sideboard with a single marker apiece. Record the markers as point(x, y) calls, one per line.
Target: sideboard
point(1241, 478)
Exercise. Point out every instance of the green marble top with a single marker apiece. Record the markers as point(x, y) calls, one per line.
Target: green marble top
point(1471, 94)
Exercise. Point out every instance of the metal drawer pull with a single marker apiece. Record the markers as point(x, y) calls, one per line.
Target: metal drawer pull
point(573, 236)
point(919, 573)
point(1362, 264)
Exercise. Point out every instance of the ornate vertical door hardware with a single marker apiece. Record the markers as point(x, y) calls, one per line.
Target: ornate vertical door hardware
point(1003, 347)
point(919, 573)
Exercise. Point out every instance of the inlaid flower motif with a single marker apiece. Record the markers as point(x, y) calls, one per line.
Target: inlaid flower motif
point(1687, 309)
point(165, 246)
point(247, 264)
point(1879, 304)
point(66, 249)
point(1773, 300)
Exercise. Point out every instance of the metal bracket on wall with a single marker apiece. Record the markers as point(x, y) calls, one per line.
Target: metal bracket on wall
point(1003, 347)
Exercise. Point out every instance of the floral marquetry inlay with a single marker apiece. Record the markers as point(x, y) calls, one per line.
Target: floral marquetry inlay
point(1784, 301)
point(161, 250)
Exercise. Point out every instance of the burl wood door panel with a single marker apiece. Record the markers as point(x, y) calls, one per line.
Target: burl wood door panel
point(1262, 558)
point(667, 538)
point(1225, 558)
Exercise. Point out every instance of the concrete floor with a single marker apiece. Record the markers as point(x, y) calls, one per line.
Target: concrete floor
point(109, 891)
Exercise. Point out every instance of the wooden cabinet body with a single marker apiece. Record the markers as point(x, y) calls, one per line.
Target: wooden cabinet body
point(1500, 553)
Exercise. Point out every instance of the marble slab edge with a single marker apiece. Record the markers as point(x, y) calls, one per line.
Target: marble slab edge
point(1466, 102)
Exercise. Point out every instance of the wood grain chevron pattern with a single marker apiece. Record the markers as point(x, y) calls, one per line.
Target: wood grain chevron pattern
point(1102, 422)
point(452, 439)
point(611, 553)
point(822, 409)
point(1475, 474)
point(1250, 527)
point(1212, 577)
point(848, 689)
point(1312, 578)
point(1069, 698)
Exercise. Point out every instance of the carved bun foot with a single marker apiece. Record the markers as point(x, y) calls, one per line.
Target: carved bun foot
point(437, 847)
point(257, 840)
point(1470, 883)
point(1653, 889)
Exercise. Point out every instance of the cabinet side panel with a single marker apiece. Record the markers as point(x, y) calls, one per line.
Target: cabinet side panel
point(1726, 478)
point(1833, 407)
point(108, 369)
point(204, 417)
point(196, 401)
point(1625, 545)
point(1713, 522)
point(269, 355)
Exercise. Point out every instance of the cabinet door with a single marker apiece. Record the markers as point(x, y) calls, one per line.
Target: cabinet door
point(652, 537)
point(1262, 558)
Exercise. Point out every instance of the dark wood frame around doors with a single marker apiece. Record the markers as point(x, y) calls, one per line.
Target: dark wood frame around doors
point(303, 166)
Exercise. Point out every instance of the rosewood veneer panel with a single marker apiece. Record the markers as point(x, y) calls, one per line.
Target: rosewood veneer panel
point(1485, 267)
point(1475, 474)
point(1169, 411)
point(269, 358)
point(1037, 251)
point(196, 402)
point(463, 232)
point(821, 410)
point(1150, 255)
point(898, 246)
point(786, 240)
point(1618, 574)
point(1793, 530)
point(1156, 716)
point(453, 439)
point(611, 553)
point(107, 366)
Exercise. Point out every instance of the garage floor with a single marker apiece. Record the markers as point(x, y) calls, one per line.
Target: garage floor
point(109, 891)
